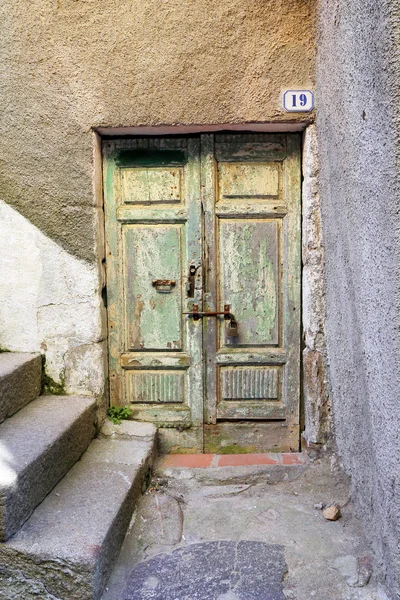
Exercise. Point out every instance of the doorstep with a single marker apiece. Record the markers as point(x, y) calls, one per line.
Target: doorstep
point(268, 467)
point(203, 461)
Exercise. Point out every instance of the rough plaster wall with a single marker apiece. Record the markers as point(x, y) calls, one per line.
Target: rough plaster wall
point(358, 132)
point(68, 65)
point(317, 405)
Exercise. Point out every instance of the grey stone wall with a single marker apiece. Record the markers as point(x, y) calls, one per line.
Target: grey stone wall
point(316, 397)
point(358, 134)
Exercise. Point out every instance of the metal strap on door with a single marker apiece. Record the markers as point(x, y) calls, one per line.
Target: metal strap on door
point(232, 329)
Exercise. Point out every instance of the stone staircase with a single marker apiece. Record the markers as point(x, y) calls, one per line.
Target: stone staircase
point(66, 498)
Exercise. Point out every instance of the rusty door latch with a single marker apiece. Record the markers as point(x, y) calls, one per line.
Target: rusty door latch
point(232, 329)
point(196, 314)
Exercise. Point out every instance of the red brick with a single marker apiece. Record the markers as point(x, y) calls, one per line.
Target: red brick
point(292, 458)
point(237, 460)
point(187, 460)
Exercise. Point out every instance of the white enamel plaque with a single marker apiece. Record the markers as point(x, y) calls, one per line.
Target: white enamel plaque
point(298, 100)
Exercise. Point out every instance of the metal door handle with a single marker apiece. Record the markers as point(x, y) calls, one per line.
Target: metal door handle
point(164, 285)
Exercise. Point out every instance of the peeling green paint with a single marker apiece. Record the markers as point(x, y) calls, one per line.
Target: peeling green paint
point(154, 316)
point(249, 264)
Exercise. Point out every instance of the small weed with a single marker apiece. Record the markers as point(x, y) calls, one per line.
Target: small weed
point(117, 413)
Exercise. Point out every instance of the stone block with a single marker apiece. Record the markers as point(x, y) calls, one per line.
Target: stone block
point(70, 543)
point(20, 381)
point(129, 429)
point(38, 446)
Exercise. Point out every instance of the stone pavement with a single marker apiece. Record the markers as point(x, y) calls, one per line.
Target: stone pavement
point(223, 570)
point(229, 535)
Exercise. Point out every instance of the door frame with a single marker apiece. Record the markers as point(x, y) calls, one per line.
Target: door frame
point(314, 390)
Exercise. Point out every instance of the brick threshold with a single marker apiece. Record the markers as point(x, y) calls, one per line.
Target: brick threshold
point(204, 461)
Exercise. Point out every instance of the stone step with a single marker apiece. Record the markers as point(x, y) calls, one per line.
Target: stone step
point(38, 445)
point(66, 550)
point(20, 381)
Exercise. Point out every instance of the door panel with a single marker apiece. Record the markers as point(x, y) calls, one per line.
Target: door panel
point(153, 234)
point(249, 279)
point(207, 221)
point(153, 311)
point(243, 181)
point(158, 185)
point(252, 214)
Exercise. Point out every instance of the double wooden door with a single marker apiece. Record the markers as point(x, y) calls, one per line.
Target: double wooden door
point(199, 225)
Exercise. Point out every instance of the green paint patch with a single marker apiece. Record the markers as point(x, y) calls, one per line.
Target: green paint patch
point(4, 350)
point(142, 157)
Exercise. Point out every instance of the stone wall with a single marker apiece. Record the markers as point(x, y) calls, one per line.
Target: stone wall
point(316, 388)
point(50, 302)
point(358, 134)
point(69, 66)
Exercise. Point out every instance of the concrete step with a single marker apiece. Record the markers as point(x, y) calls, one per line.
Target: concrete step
point(20, 381)
point(66, 550)
point(38, 445)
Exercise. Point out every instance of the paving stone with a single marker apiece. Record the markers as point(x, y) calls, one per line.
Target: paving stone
point(187, 460)
point(20, 381)
point(237, 460)
point(71, 541)
point(38, 445)
point(225, 570)
point(347, 567)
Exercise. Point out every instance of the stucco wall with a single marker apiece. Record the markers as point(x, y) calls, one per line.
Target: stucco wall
point(69, 65)
point(357, 85)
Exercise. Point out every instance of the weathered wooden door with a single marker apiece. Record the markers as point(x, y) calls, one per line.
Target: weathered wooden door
point(195, 224)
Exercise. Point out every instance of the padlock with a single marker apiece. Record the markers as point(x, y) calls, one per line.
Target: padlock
point(232, 329)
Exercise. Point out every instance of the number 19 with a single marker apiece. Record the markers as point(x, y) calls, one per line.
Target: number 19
point(302, 99)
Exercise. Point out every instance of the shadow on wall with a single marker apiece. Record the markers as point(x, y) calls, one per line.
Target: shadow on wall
point(50, 303)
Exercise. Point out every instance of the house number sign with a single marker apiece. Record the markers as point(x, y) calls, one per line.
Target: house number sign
point(298, 100)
